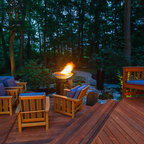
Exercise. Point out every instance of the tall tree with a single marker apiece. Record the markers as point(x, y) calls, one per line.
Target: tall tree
point(23, 11)
point(12, 29)
point(45, 30)
point(127, 31)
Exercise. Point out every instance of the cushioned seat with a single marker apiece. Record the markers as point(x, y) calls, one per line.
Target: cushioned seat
point(72, 92)
point(33, 110)
point(67, 105)
point(136, 82)
point(32, 94)
point(6, 96)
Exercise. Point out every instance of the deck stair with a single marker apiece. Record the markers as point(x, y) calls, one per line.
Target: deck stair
point(85, 128)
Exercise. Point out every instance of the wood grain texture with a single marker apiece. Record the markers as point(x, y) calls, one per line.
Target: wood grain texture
point(111, 123)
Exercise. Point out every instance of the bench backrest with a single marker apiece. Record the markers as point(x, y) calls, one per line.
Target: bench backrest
point(133, 73)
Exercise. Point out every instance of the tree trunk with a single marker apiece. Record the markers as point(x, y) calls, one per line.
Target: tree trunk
point(28, 46)
point(127, 31)
point(82, 24)
point(12, 32)
point(40, 40)
point(22, 35)
point(100, 79)
point(12, 61)
point(4, 49)
point(79, 34)
point(44, 44)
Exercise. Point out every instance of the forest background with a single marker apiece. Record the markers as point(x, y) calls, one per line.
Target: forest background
point(94, 34)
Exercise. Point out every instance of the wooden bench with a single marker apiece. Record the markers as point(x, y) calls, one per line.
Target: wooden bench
point(133, 81)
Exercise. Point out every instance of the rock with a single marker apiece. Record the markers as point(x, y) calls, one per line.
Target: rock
point(92, 98)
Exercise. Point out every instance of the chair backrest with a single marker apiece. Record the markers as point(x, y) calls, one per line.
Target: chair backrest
point(2, 90)
point(32, 108)
point(83, 92)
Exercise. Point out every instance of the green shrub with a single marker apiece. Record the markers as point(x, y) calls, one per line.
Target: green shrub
point(35, 75)
point(105, 96)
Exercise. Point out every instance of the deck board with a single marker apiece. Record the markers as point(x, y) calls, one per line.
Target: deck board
point(57, 123)
point(100, 124)
point(126, 123)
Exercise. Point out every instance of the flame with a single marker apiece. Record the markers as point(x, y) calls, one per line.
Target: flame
point(68, 68)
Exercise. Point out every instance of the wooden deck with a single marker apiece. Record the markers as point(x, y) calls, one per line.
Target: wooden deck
point(125, 125)
point(113, 122)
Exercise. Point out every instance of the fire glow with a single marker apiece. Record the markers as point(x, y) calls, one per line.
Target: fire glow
point(67, 69)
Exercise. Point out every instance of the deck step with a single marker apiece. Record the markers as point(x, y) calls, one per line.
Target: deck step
point(85, 129)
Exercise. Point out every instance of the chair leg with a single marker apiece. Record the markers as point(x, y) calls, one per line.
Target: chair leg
point(47, 122)
point(10, 106)
point(123, 92)
point(19, 123)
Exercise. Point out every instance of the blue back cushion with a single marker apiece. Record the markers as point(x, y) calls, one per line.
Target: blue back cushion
point(79, 90)
point(72, 92)
point(2, 78)
point(136, 82)
point(10, 82)
point(2, 90)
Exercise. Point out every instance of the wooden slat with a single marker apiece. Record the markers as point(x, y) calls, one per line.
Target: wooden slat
point(32, 107)
point(142, 77)
point(68, 106)
point(134, 75)
point(0, 105)
point(5, 105)
point(130, 74)
point(63, 105)
point(26, 108)
point(138, 76)
point(39, 107)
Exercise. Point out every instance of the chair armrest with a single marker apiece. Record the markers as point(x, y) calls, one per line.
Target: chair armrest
point(16, 87)
point(47, 104)
point(5, 97)
point(21, 83)
point(11, 90)
point(17, 111)
point(66, 98)
point(66, 91)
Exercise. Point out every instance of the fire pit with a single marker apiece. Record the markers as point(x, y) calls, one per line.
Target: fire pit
point(61, 77)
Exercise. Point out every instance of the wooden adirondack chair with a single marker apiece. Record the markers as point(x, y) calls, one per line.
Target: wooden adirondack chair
point(7, 99)
point(10, 83)
point(33, 110)
point(69, 106)
point(133, 81)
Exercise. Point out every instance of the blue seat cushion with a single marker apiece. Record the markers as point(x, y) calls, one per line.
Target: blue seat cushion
point(10, 82)
point(2, 90)
point(32, 94)
point(72, 92)
point(79, 90)
point(136, 82)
